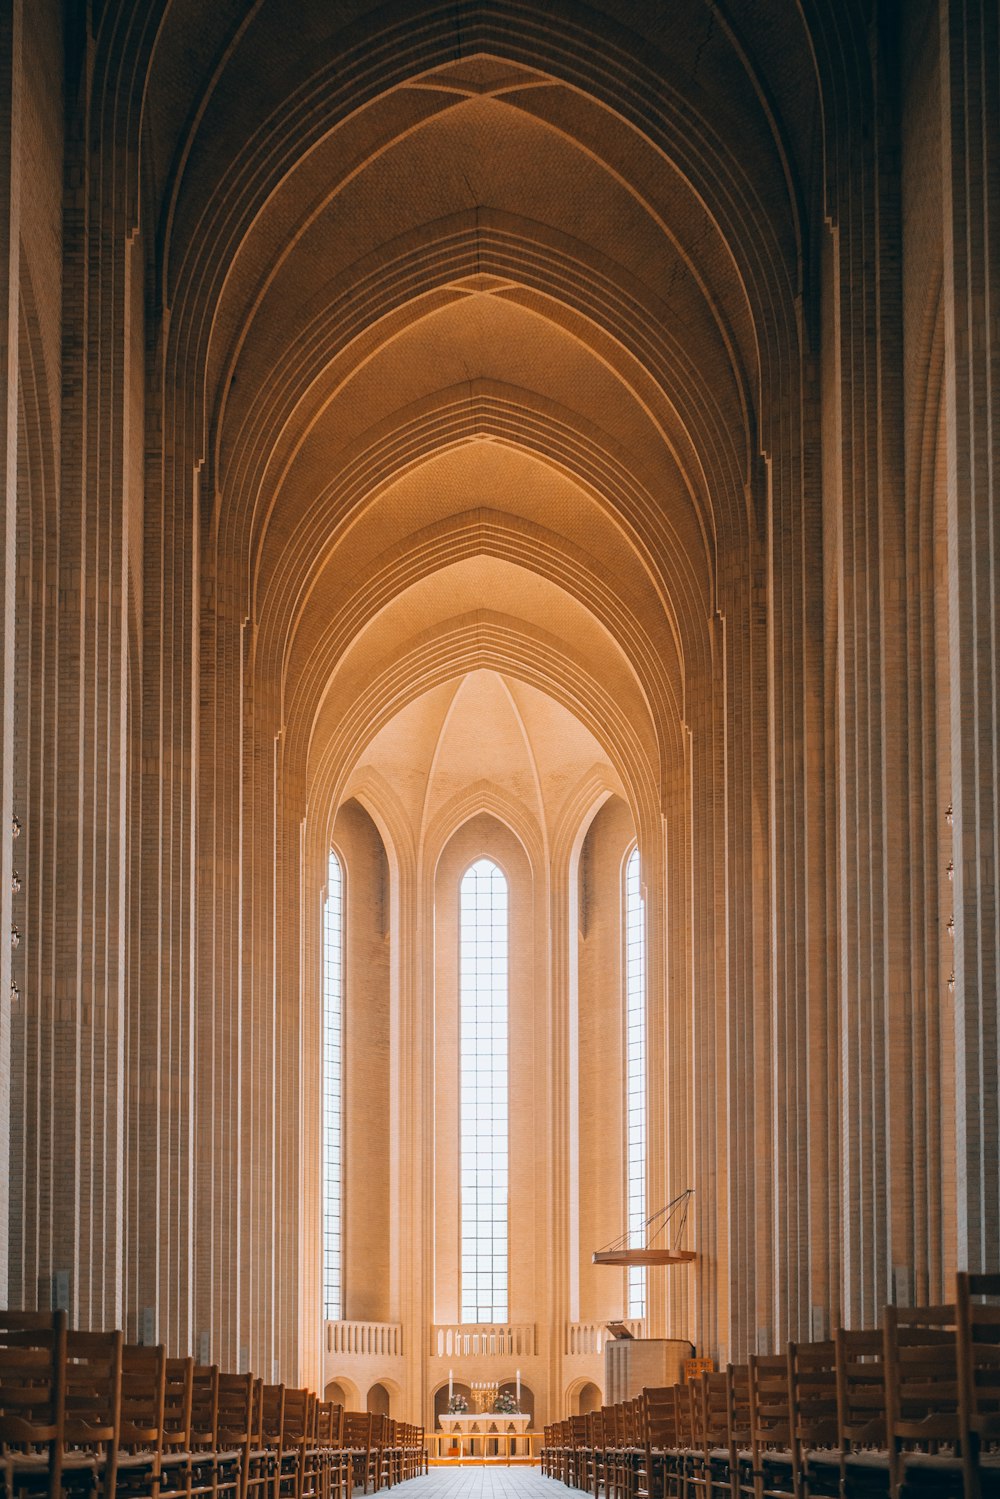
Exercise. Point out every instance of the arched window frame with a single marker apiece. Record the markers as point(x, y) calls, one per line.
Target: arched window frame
point(484, 1102)
point(635, 1050)
point(332, 1089)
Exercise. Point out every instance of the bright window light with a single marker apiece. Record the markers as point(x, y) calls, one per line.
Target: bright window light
point(333, 1107)
point(635, 1079)
point(483, 1091)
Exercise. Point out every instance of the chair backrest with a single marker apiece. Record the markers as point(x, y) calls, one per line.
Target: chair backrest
point(238, 1421)
point(204, 1406)
point(143, 1392)
point(357, 1430)
point(921, 1381)
point(688, 1414)
point(32, 1379)
point(93, 1388)
point(860, 1374)
point(298, 1415)
point(812, 1393)
point(177, 1402)
point(329, 1423)
point(713, 1403)
point(272, 1415)
point(578, 1431)
point(977, 1308)
point(770, 1414)
point(738, 1407)
point(659, 1419)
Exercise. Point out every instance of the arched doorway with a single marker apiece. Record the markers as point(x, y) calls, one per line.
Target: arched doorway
point(589, 1398)
point(378, 1400)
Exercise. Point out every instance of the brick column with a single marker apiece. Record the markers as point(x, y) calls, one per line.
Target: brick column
point(10, 192)
point(970, 93)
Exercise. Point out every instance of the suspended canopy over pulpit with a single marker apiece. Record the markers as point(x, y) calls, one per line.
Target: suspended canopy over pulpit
point(662, 1235)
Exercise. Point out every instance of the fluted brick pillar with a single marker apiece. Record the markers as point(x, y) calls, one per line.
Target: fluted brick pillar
point(10, 173)
point(970, 94)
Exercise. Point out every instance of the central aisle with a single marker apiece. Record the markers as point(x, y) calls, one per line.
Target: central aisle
point(480, 1483)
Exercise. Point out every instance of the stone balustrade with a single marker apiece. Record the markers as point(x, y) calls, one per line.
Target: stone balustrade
point(483, 1340)
point(365, 1339)
point(590, 1337)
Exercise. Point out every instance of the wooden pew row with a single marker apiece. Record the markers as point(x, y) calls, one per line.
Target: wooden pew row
point(910, 1409)
point(84, 1415)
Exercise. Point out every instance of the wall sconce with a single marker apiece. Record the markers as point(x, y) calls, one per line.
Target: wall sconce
point(951, 927)
point(15, 993)
point(949, 815)
point(15, 827)
point(950, 871)
point(15, 883)
point(951, 983)
point(15, 938)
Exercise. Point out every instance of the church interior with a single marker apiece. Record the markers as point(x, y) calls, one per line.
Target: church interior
point(501, 674)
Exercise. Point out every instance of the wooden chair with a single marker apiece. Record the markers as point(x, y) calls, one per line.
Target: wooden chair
point(861, 1433)
point(743, 1479)
point(301, 1472)
point(658, 1437)
point(272, 1440)
point(140, 1423)
point(577, 1449)
point(358, 1442)
point(713, 1430)
point(93, 1398)
point(682, 1458)
point(812, 1396)
point(977, 1306)
point(921, 1400)
point(237, 1432)
point(32, 1401)
point(215, 1470)
point(176, 1456)
point(330, 1441)
point(593, 1470)
point(381, 1456)
point(770, 1424)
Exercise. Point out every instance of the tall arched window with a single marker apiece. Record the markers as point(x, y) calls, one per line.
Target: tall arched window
point(333, 1109)
point(635, 1079)
point(483, 1091)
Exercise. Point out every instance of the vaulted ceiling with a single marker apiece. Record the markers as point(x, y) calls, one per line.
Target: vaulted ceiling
point(477, 305)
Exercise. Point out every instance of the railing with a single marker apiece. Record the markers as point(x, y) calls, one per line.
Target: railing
point(377, 1339)
point(503, 1447)
point(483, 1340)
point(590, 1337)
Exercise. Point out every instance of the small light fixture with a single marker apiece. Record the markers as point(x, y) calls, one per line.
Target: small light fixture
point(15, 993)
point(15, 883)
point(15, 938)
point(951, 983)
point(951, 927)
point(950, 871)
point(949, 815)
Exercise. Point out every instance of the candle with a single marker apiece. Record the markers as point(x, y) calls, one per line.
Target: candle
point(451, 1383)
point(518, 1389)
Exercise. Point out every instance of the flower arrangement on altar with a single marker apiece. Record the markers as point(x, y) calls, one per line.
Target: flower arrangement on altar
point(506, 1405)
point(457, 1405)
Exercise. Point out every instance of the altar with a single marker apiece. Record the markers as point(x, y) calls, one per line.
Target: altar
point(496, 1433)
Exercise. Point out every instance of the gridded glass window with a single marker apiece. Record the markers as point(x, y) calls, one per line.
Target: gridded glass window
point(635, 1079)
point(483, 1091)
point(333, 1111)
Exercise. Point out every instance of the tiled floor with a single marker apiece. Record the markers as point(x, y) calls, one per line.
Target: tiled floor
point(480, 1483)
